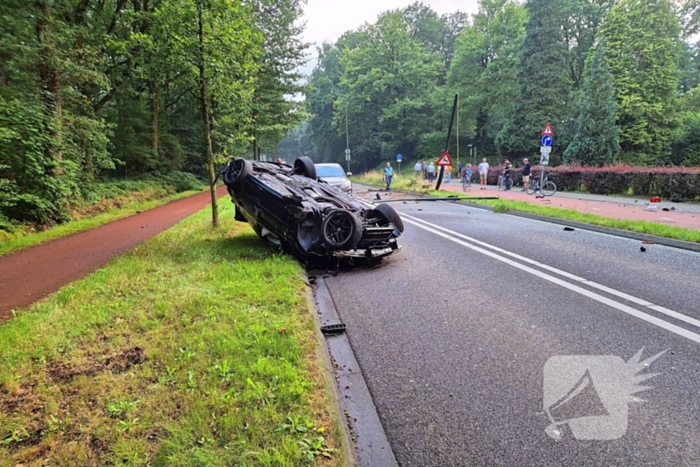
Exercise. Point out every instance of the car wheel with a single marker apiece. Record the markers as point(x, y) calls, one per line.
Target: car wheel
point(390, 215)
point(342, 230)
point(305, 167)
point(236, 173)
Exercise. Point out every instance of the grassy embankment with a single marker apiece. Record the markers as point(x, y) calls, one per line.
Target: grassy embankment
point(196, 348)
point(117, 201)
point(409, 183)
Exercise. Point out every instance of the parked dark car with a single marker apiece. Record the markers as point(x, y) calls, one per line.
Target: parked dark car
point(289, 208)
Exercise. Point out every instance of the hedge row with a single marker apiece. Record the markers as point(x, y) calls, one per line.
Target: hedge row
point(667, 182)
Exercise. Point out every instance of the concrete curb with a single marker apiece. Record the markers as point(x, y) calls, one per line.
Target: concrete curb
point(363, 426)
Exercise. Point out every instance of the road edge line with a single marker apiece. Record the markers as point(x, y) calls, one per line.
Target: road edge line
point(362, 424)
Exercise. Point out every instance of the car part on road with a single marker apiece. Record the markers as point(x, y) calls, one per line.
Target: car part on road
point(292, 210)
point(333, 329)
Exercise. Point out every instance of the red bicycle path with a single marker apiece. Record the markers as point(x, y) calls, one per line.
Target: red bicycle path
point(29, 275)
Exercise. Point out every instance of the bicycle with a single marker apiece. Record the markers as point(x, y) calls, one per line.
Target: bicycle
point(548, 187)
point(502, 183)
point(466, 183)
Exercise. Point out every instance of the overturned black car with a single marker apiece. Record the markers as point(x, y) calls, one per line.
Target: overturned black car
point(289, 208)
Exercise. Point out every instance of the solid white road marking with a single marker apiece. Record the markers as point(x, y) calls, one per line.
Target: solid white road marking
point(453, 237)
point(583, 280)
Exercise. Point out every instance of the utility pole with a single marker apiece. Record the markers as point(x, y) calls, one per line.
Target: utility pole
point(458, 128)
point(347, 138)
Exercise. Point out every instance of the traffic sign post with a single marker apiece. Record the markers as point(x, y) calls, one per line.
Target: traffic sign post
point(347, 158)
point(546, 148)
point(445, 160)
point(398, 159)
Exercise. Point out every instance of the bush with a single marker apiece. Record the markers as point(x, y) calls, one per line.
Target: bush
point(182, 181)
point(621, 180)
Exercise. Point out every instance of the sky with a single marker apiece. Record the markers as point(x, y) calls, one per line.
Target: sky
point(327, 20)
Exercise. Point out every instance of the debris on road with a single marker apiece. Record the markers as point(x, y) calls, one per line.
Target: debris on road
point(569, 229)
point(333, 329)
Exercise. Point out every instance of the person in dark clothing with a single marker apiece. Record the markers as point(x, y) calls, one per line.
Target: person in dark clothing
point(526, 173)
point(507, 172)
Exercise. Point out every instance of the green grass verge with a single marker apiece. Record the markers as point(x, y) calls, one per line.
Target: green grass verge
point(14, 243)
point(501, 206)
point(197, 348)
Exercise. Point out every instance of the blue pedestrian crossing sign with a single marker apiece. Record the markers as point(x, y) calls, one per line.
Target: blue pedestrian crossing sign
point(547, 140)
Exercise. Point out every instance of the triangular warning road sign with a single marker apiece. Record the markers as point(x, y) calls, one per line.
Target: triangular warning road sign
point(445, 160)
point(548, 131)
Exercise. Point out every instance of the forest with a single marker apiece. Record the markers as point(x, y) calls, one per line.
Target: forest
point(618, 80)
point(95, 90)
point(100, 90)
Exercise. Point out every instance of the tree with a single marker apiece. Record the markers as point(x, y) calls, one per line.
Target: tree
point(215, 48)
point(386, 85)
point(484, 68)
point(597, 139)
point(543, 79)
point(273, 110)
point(642, 40)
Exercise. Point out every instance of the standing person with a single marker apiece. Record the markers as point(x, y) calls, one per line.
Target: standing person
point(526, 173)
point(388, 175)
point(448, 171)
point(507, 173)
point(483, 173)
point(425, 170)
point(431, 172)
point(418, 168)
point(460, 166)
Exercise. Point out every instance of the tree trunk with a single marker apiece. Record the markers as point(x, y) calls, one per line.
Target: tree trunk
point(205, 119)
point(256, 157)
point(155, 111)
point(49, 75)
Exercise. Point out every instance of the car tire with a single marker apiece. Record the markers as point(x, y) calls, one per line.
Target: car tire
point(236, 172)
point(341, 230)
point(305, 167)
point(390, 215)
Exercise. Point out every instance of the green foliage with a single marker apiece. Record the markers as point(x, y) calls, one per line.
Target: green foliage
point(642, 40)
point(386, 85)
point(517, 66)
point(273, 113)
point(686, 148)
point(545, 83)
point(29, 181)
point(483, 71)
point(112, 88)
point(182, 181)
point(597, 139)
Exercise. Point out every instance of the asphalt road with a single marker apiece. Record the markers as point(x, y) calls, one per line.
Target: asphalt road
point(485, 320)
